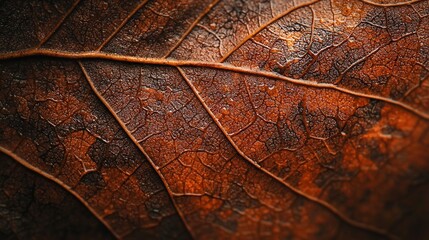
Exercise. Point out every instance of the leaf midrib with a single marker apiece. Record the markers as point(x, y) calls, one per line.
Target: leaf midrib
point(212, 65)
point(219, 66)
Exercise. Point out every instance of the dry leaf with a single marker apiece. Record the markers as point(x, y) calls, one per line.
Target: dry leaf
point(218, 120)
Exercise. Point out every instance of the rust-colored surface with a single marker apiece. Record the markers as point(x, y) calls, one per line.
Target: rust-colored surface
point(35, 208)
point(215, 120)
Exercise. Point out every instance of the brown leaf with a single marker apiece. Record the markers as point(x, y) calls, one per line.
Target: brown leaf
point(225, 119)
point(34, 208)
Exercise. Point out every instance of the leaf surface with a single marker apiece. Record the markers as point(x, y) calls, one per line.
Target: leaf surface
point(225, 119)
point(33, 208)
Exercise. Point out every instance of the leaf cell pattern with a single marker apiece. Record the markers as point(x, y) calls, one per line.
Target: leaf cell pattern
point(222, 119)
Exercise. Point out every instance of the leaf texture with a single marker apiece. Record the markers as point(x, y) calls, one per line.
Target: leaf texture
point(222, 119)
point(33, 208)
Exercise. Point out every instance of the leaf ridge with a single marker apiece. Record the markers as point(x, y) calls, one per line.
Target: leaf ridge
point(213, 65)
point(52, 178)
point(134, 140)
point(186, 33)
point(263, 26)
point(322, 203)
point(58, 25)
point(390, 4)
point(122, 24)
